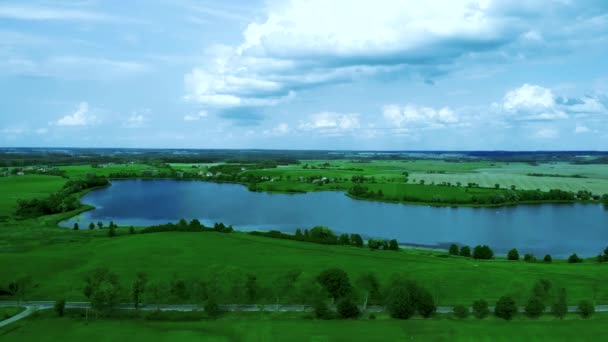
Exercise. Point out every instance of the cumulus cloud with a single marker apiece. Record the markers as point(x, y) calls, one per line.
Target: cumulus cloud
point(135, 120)
point(196, 117)
point(280, 129)
point(581, 129)
point(546, 133)
point(302, 44)
point(532, 102)
point(79, 118)
point(331, 123)
point(410, 116)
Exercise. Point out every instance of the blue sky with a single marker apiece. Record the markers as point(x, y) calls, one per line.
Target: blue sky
point(383, 74)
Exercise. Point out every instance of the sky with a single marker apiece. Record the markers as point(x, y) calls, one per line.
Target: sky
point(296, 74)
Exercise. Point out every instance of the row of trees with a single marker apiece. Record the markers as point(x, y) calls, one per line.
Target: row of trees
point(324, 235)
point(62, 201)
point(482, 252)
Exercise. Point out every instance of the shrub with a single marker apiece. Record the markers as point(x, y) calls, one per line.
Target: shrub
point(461, 311)
point(480, 309)
point(60, 307)
point(586, 309)
point(529, 257)
point(560, 307)
point(505, 308)
point(574, 259)
point(465, 251)
point(482, 252)
point(212, 308)
point(513, 254)
point(425, 303)
point(548, 258)
point(372, 316)
point(400, 301)
point(347, 308)
point(535, 307)
point(454, 250)
point(542, 289)
point(321, 310)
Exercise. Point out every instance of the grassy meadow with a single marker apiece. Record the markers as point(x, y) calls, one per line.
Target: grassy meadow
point(25, 187)
point(45, 326)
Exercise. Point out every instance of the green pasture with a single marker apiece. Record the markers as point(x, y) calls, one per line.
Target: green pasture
point(14, 188)
point(81, 171)
point(45, 326)
point(9, 311)
point(58, 266)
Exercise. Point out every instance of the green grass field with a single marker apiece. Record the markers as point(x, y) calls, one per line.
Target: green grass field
point(44, 326)
point(14, 188)
point(58, 265)
point(9, 311)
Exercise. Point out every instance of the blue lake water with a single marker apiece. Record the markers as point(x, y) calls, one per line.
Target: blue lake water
point(557, 229)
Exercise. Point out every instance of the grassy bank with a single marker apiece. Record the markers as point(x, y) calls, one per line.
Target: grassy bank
point(45, 326)
point(9, 311)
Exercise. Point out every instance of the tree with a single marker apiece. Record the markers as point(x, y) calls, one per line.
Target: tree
point(112, 231)
point(370, 285)
point(425, 305)
point(99, 224)
point(482, 252)
point(542, 289)
point(574, 259)
point(480, 309)
point(400, 302)
point(20, 287)
point(347, 308)
point(535, 307)
point(454, 250)
point(138, 288)
point(212, 308)
point(513, 254)
point(336, 282)
point(252, 287)
point(548, 258)
point(461, 311)
point(393, 245)
point(586, 309)
point(131, 230)
point(344, 239)
point(505, 308)
point(560, 307)
point(178, 289)
point(465, 251)
point(356, 240)
point(321, 310)
point(59, 307)
point(101, 288)
point(91, 226)
point(298, 235)
point(76, 226)
point(529, 257)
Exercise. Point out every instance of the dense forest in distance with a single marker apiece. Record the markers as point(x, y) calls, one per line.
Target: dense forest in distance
point(11, 157)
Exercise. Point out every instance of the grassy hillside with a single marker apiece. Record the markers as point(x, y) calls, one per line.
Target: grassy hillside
point(25, 187)
point(277, 327)
point(58, 267)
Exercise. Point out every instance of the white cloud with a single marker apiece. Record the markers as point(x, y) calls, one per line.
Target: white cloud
point(280, 129)
point(29, 12)
point(581, 129)
point(546, 133)
point(42, 130)
point(79, 118)
point(301, 44)
point(136, 120)
point(532, 102)
point(196, 117)
point(331, 121)
point(418, 116)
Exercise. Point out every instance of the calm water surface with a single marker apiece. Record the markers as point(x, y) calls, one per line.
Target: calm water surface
point(540, 229)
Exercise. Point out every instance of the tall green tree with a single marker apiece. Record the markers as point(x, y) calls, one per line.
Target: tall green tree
point(336, 282)
point(138, 288)
point(102, 288)
point(505, 308)
point(370, 286)
point(559, 309)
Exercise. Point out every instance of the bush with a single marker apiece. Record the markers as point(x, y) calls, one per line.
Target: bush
point(347, 308)
point(321, 310)
point(480, 309)
point(542, 289)
point(574, 259)
point(60, 307)
point(461, 311)
point(505, 308)
point(560, 307)
point(586, 309)
point(482, 252)
point(548, 258)
point(212, 308)
point(400, 301)
point(513, 254)
point(454, 250)
point(528, 257)
point(425, 303)
point(372, 316)
point(535, 307)
point(465, 251)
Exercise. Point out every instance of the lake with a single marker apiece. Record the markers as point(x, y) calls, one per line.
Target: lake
point(557, 229)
